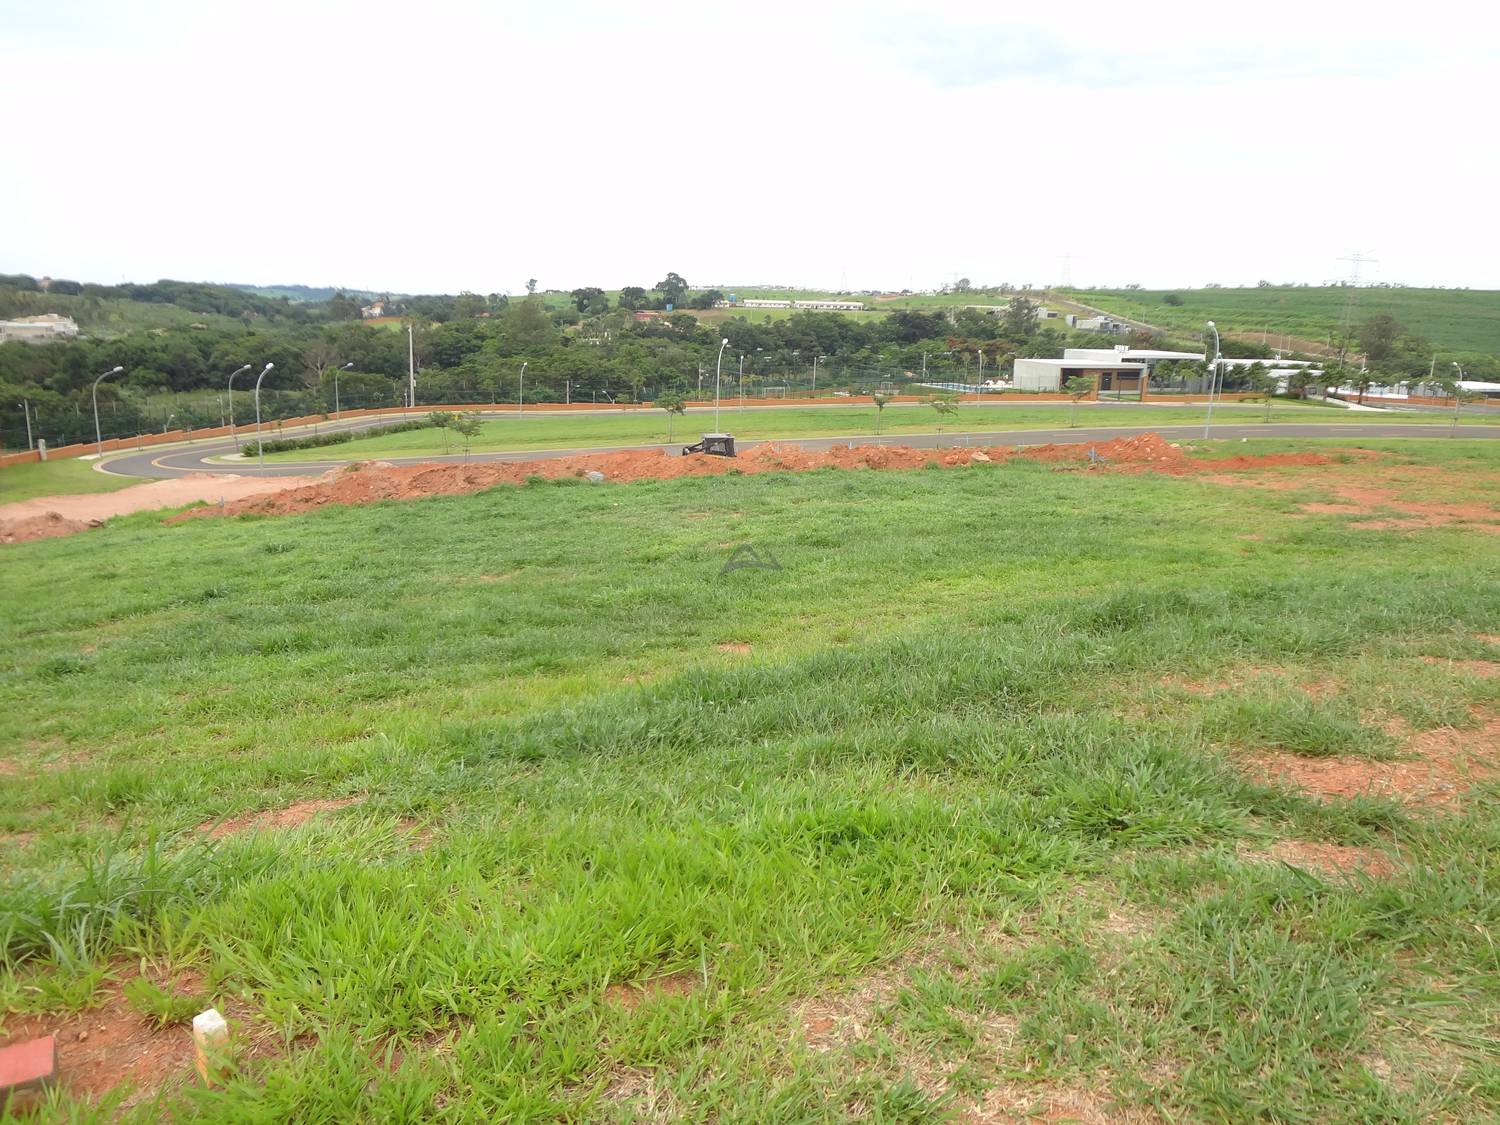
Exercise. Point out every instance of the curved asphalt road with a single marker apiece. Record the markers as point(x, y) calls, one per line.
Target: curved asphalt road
point(177, 461)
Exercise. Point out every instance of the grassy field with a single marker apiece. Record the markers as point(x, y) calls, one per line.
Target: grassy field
point(56, 478)
point(936, 818)
point(1454, 319)
point(640, 427)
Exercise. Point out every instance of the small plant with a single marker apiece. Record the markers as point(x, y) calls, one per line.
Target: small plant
point(467, 426)
point(159, 1006)
point(1079, 387)
point(673, 403)
point(880, 398)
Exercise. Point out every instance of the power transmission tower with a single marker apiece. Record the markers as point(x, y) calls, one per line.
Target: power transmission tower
point(1357, 261)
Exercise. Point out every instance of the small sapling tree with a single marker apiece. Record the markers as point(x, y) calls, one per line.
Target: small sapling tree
point(673, 403)
point(880, 398)
point(1079, 387)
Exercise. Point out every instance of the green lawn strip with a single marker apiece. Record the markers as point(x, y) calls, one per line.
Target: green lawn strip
point(642, 426)
point(56, 478)
point(930, 735)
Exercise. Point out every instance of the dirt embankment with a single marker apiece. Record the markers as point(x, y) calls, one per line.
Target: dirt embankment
point(50, 516)
point(371, 481)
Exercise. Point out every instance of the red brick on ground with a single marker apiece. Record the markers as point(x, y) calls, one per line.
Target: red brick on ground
point(29, 1065)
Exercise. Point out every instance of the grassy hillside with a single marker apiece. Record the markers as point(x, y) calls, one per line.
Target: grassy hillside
point(108, 316)
point(1464, 320)
point(961, 811)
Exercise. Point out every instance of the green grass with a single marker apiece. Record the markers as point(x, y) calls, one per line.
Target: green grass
point(953, 796)
point(645, 425)
point(106, 317)
point(1454, 319)
point(56, 478)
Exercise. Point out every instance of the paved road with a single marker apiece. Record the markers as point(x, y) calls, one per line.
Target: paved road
point(183, 460)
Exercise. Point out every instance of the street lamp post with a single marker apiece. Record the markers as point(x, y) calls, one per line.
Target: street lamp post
point(25, 406)
point(521, 396)
point(99, 438)
point(742, 382)
point(815, 373)
point(1457, 399)
point(1212, 376)
point(336, 371)
point(232, 374)
point(718, 369)
point(260, 450)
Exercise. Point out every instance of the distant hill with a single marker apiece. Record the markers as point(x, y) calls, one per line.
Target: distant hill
point(1458, 320)
point(309, 294)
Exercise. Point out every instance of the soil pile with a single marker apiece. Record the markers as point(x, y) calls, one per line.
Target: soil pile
point(366, 482)
point(47, 525)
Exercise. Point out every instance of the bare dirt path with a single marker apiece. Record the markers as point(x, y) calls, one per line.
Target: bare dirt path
point(46, 516)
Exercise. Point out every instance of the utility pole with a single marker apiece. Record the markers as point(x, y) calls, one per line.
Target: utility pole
point(26, 409)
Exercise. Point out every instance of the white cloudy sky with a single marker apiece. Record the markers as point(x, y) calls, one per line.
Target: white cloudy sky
point(454, 144)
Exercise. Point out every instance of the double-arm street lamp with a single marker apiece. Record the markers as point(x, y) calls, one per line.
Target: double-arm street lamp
point(98, 438)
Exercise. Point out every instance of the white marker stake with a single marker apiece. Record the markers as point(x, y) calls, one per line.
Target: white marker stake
point(210, 1045)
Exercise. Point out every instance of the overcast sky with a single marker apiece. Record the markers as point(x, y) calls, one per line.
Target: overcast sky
point(453, 145)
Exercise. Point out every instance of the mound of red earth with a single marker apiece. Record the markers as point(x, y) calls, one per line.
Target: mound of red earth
point(48, 525)
point(369, 481)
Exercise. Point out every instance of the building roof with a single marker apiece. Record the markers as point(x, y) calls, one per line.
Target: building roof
point(1113, 365)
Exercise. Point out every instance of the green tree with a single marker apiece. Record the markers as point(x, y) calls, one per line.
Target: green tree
point(673, 403)
point(1265, 385)
point(467, 425)
point(1020, 318)
point(590, 300)
point(1079, 387)
point(1377, 339)
point(526, 326)
point(633, 297)
point(341, 306)
point(469, 306)
point(671, 288)
point(880, 398)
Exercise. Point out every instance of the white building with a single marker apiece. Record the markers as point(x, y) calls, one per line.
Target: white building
point(764, 303)
point(1097, 323)
point(831, 306)
point(1052, 374)
point(38, 329)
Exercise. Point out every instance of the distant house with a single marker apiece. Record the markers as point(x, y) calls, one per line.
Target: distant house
point(1053, 374)
point(645, 314)
point(40, 329)
point(1097, 324)
point(373, 312)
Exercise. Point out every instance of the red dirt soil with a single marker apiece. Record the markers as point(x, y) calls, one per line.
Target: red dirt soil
point(112, 1045)
point(1335, 860)
point(47, 517)
point(371, 481)
point(289, 817)
point(629, 996)
point(1440, 765)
